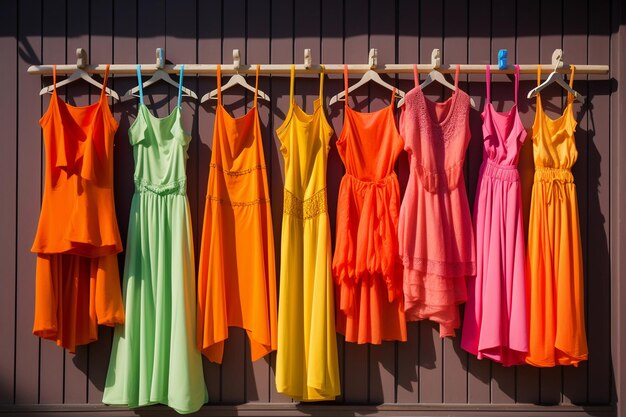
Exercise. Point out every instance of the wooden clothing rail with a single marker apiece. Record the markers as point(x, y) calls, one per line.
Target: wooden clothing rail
point(308, 67)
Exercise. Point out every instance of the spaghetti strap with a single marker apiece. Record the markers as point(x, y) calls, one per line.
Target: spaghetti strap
point(321, 96)
point(488, 82)
point(104, 83)
point(516, 82)
point(139, 83)
point(345, 83)
point(538, 84)
point(291, 82)
point(219, 85)
point(180, 84)
point(256, 85)
point(570, 96)
point(456, 77)
point(54, 79)
point(393, 97)
point(416, 77)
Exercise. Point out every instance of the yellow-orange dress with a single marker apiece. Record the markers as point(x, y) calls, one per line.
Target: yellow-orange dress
point(555, 267)
point(236, 275)
point(306, 360)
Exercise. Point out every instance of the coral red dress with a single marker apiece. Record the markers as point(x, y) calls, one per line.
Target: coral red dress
point(366, 266)
point(435, 229)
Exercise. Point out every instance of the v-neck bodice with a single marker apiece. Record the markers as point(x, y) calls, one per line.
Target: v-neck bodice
point(79, 179)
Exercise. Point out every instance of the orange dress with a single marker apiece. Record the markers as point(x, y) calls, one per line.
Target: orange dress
point(367, 266)
point(555, 266)
point(237, 277)
point(77, 280)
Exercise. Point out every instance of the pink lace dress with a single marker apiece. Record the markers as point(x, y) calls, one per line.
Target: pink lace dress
point(495, 325)
point(435, 228)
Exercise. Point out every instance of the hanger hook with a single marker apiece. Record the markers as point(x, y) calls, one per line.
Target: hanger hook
point(307, 58)
point(159, 58)
point(435, 58)
point(82, 59)
point(236, 60)
point(373, 58)
point(557, 59)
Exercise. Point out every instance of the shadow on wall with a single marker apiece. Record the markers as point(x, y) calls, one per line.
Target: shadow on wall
point(160, 13)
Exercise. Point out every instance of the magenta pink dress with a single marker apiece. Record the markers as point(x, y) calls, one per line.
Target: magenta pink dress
point(435, 228)
point(495, 323)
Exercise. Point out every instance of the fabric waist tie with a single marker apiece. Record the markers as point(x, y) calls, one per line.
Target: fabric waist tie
point(378, 255)
point(501, 172)
point(554, 178)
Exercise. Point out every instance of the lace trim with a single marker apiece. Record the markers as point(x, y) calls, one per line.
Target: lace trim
point(305, 209)
point(238, 203)
point(239, 172)
point(178, 187)
point(450, 125)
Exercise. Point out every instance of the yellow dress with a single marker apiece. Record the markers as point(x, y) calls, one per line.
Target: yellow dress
point(306, 361)
point(555, 266)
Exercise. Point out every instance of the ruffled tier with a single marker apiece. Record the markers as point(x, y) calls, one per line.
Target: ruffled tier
point(434, 297)
point(367, 225)
point(73, 295)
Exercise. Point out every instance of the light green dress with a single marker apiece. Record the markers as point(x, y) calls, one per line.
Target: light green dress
point(155, 358)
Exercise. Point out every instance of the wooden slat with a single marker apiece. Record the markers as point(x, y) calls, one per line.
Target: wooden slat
point(52, 360)
point(332, 48)
point(101, 24)
point(237, 103)
point(407, 384)
point(382, 361)
point(479, 371)
point(77, 15)
point(8, 171)
point(598, 271)
point(356, 357)
point(29, 153)
point(209, 48)
point(552, 100)
point(527, 47)
point(281, 52)
point(431, 346)
point(258, 46)
point(455, 382)
point(502, 93)
point(575, 43)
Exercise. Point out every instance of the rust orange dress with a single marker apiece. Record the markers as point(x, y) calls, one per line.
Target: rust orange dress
point(366, 266)
point(555, 265)
point(77, 279)
point(237, 277)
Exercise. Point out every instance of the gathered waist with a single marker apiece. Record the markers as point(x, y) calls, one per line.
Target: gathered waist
point(550, 175)
point(501, 172)
point(177, 187)
point(365, 185)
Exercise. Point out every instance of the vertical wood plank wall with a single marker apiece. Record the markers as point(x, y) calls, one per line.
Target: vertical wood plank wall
point(426, 369)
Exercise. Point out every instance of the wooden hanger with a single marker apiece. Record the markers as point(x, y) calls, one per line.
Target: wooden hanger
point(236, 79)
point(82, 61)
point(436, 75)
point(160, 75)
point(370, 75)
point(555, 77)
